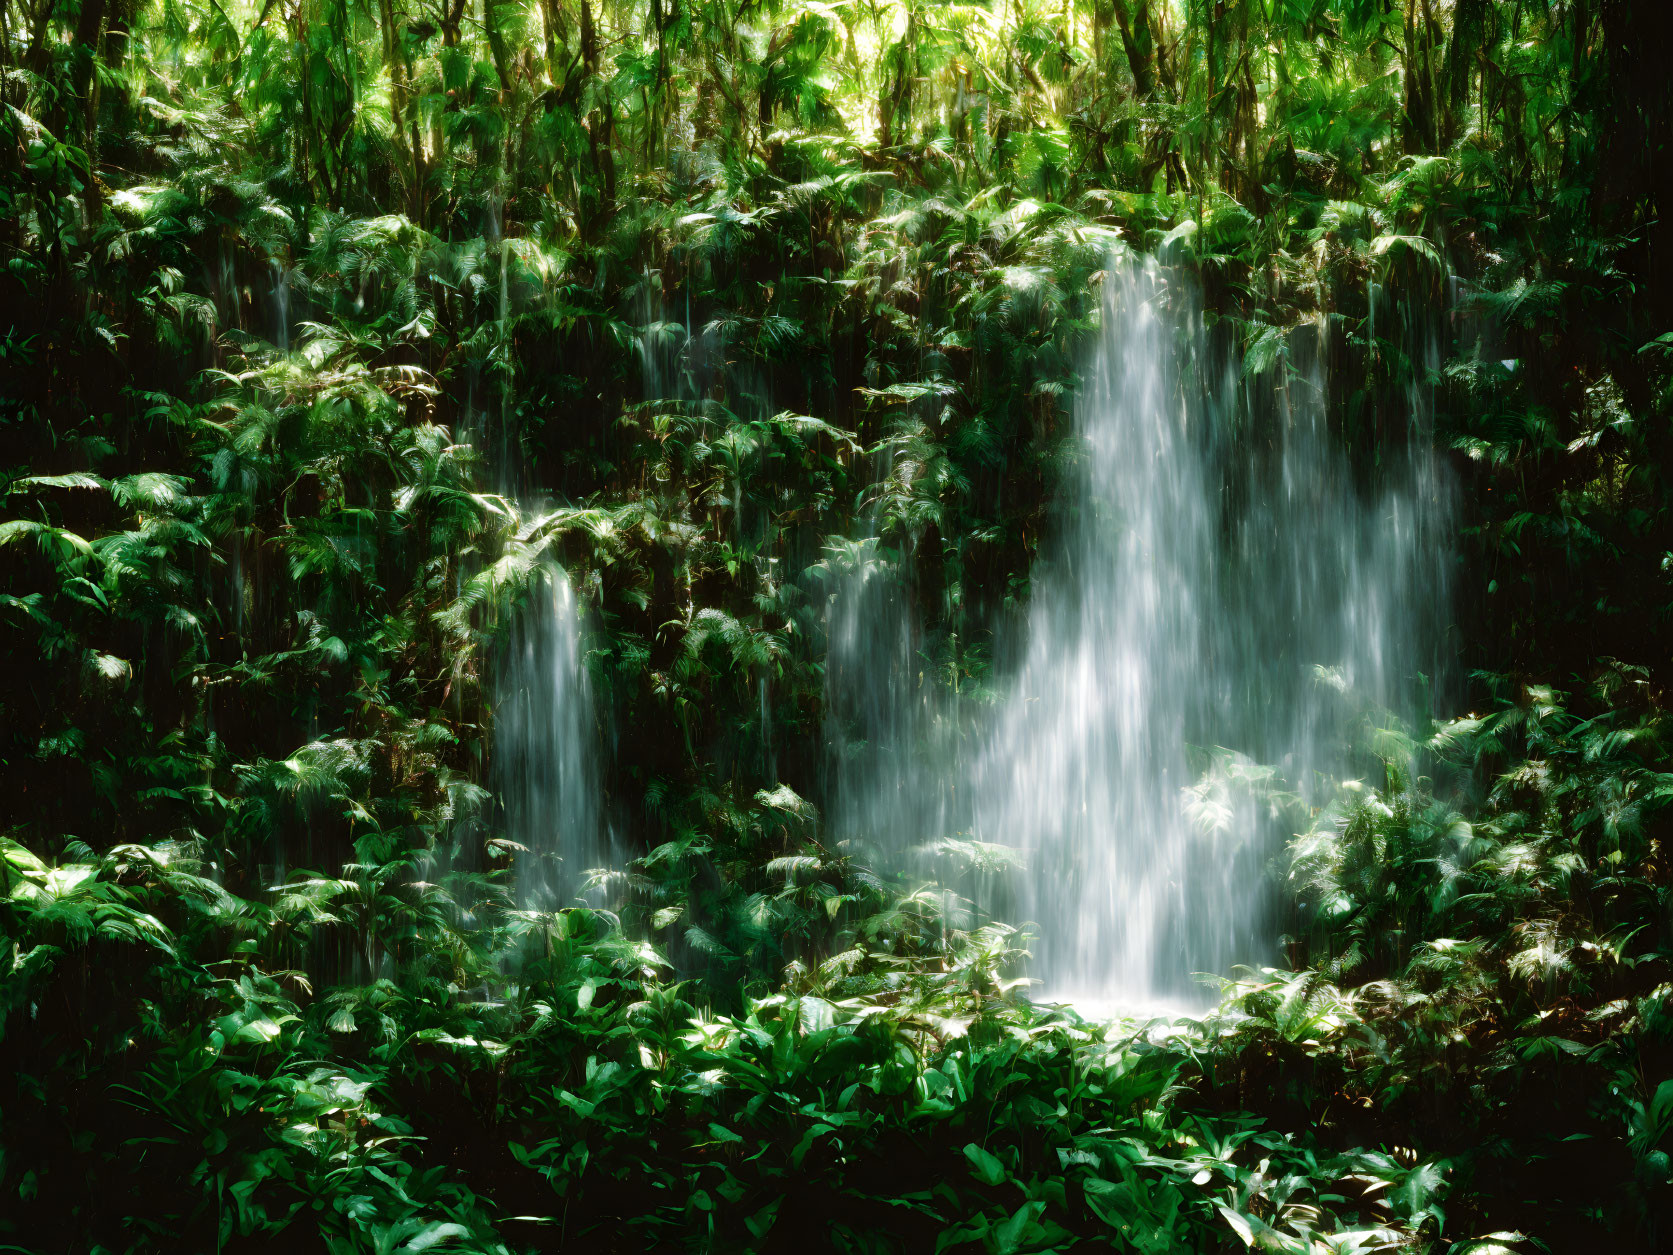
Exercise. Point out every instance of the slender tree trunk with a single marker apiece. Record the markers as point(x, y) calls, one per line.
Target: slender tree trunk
point(406, 137)
point(1136, 43)
point(89, 28)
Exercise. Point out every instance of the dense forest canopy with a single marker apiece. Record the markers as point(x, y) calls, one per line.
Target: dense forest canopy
point(334, 333)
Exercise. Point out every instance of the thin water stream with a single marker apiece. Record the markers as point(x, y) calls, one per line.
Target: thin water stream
point(545, 758)
point(545, 749)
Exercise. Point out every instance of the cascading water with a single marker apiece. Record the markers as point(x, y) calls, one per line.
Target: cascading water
point(1087, 766)
point(281, 305)
point(1219, 581)
point(1225, 605)
point(880, 716)
point(544, 737)
point(545, 752)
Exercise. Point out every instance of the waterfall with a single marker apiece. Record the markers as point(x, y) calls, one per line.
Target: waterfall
point(1225, 609)
point(544, 749)
point(546, 766)
point(1221, 593)
point(880, 714)
point(281, 305)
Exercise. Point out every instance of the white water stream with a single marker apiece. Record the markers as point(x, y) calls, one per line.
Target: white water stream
point(1221, 592)
point(545, 758)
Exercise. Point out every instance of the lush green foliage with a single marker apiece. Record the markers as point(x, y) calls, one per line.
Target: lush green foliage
point(312, 311)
